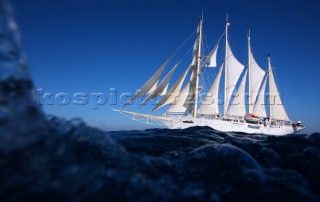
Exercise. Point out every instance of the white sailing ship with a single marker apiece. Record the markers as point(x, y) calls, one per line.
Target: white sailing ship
point(184, 111)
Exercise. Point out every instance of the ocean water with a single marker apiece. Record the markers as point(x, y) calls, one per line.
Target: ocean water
point(69, 161)
point(45, 158)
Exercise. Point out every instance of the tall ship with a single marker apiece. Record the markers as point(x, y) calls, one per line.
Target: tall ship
point(240, 104)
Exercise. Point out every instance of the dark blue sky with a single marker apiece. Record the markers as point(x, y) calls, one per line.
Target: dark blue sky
point(91, 46)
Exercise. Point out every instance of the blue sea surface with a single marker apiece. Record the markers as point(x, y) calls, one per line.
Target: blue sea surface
point(45, 158)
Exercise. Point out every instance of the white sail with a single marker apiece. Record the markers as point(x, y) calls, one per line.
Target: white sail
point(153, 87)
point(238, 107)
point(165, 90)
point(259, 107)
point(174, 91)
point(233, 69)
point(195, 46)
point(151, 84)
point(191, 102)
point(277, 110)
point(210, 105)
point(183, 113)
point(213, 57)
point(190, 99)
point(193, 62)
point(256, 75)
point(162, 86)
point(178, 105)
point(194, 50)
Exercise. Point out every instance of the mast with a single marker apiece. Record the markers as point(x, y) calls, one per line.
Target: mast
point(198, 58)
point(270, 90)
point(270, 80)
point(226, 70)
point(249, 78)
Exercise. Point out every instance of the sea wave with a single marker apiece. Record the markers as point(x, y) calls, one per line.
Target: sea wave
point(68, 160)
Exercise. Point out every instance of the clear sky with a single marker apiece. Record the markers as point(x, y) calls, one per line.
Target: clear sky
point(91, 46)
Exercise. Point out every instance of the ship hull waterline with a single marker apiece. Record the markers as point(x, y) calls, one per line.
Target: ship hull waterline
point(183, 122)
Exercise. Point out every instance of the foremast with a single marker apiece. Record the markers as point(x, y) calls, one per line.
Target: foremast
point(197, 69)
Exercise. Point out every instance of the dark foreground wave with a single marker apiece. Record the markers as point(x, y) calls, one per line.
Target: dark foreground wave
point(66, 160)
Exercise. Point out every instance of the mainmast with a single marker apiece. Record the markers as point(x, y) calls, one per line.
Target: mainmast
point(270, 73)
point(251, 102)
point(197, 66)
point(226, 71)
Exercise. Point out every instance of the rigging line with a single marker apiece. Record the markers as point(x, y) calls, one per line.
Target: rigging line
point(246, 55)
point(207, 79)
point(208, 82)
point(203, 76)
point(185, 41)
point(208, 86)
point(186, 54)
point(203, 85)
point(219, 39)
point(206, 76)
point(138, 120)
point(168, 87)
point(177, 63)
point(205, 40)
point(188, 50)
point(221, 92)
point(211, 73)
point(206, 60)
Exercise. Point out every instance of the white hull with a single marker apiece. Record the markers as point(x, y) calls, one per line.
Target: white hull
point(229, 126)
point(182, 122)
